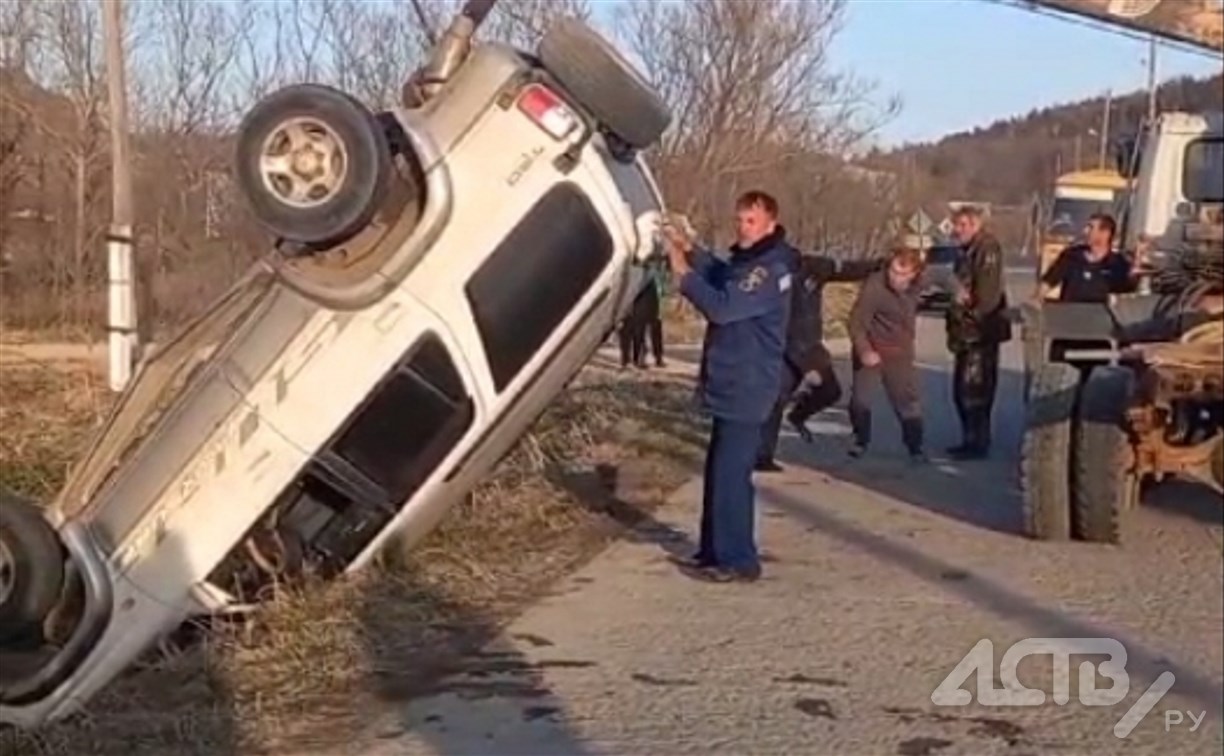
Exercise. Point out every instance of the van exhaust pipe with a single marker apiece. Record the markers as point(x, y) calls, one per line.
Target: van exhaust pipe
point(447, 55)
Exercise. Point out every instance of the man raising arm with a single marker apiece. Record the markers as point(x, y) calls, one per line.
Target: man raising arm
point(746, 302)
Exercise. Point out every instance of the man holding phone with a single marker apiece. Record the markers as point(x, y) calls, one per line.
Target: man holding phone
point(745, 300)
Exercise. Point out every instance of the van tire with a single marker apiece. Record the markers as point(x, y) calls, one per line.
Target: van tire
point(1100, 494)
point(32, 560)
point(340, 125)
point(1046, 453)
point(593, 72)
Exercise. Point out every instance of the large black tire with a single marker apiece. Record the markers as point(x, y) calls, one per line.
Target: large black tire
point(1032, 343)
point(342, 210)
point(605, 83)
point(1046, 454)
point(31, 569)
point(1102, 488)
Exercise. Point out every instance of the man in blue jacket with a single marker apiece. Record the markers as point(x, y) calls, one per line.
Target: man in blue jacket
point(746, 300)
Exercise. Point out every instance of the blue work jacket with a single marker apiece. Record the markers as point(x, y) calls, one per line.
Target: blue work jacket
point(746, 301)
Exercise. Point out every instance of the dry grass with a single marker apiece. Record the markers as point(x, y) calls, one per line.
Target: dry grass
point(47, 414)
point(308, 670)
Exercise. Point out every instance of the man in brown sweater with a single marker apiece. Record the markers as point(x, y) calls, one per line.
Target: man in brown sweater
point(883, 327)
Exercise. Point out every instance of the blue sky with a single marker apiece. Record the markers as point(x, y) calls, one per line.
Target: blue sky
point(963, 63)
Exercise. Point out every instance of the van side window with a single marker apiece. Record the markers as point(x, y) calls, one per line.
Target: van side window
point(410, 422)
point(536, 277)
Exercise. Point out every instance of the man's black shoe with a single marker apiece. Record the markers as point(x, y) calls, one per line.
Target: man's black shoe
point(767, 465)
point(801, 428)
point(714, 574)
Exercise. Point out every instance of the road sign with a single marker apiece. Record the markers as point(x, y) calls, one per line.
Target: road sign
point(919, 223)
point(945, 226)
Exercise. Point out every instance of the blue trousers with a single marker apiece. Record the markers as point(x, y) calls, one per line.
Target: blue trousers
point(728, 510)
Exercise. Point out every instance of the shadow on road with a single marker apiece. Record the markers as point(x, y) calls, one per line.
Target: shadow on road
point(469, 691)
point(1143, 664)
point(1193, 501)
point(597, 491)
point(983, 493)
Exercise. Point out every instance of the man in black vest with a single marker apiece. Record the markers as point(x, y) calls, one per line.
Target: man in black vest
point(808, 362)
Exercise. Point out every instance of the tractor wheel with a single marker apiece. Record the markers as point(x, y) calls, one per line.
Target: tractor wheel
point(1103, 484)
point(1046, 454)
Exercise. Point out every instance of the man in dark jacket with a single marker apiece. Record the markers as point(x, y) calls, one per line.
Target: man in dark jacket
point(977, 324)
point(883, 329)
point(746, 301)
point(807, 361)
point(645, 318)
point(632, 331)
point(1091, 271)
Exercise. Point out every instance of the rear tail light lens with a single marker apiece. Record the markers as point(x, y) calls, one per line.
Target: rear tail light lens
point(547, 111)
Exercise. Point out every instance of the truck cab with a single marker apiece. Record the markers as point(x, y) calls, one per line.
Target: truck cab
point(1178, 169)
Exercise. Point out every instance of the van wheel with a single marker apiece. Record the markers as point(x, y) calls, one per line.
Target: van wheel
point(31, 569)
point(1103, 486)
point(1046, 454)
point(313, 164)
point(600, 78)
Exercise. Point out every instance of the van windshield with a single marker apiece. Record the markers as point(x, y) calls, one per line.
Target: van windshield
point(1203, 176)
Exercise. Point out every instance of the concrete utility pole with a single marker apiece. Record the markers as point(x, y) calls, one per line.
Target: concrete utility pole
point(1152, 79)
point(1105, 129)
point(121, 272)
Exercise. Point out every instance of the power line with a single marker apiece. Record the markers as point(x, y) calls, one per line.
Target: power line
point(1107, 28)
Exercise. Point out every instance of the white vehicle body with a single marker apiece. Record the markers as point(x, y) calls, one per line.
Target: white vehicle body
point(395, 390)
point(1172, 151)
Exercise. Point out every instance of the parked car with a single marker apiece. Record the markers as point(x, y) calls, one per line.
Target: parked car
point(936, 294)
point(441, 271)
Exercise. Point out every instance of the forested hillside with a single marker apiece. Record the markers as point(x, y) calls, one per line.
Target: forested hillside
point(1006, 162)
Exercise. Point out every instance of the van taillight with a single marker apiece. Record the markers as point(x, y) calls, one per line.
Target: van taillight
point(548, 111)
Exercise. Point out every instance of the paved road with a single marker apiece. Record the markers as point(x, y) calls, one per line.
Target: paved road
point(882, 577)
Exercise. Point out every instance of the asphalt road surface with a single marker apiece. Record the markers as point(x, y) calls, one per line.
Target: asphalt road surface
point(881, 577)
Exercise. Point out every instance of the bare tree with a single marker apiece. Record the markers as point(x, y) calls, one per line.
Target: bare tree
point(752, 87)
point(523, 22)
point(186, 75)
point(372, 47)
point(262, 62)
point(70, 62)
point(18, 33)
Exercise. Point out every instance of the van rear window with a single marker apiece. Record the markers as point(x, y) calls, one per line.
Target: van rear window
point(536, 277)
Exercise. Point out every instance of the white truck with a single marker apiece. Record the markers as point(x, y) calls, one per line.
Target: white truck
point(1125, 394)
